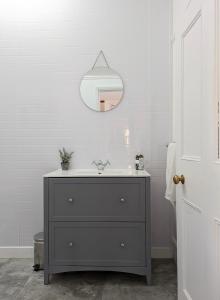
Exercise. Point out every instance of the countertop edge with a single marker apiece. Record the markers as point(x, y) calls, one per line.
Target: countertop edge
point(74, 174)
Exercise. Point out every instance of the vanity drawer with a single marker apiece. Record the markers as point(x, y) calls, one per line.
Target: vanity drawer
point(97, 244)
point(101, 199)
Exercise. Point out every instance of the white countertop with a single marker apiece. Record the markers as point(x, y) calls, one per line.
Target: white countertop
point(94, 173)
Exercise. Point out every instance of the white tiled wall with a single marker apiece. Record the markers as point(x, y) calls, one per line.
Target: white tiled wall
point(45, 48)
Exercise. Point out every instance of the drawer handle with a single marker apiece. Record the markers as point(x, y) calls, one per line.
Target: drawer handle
point(70, 200)
point(70, 244)
point(122, 200)
point(122, 244)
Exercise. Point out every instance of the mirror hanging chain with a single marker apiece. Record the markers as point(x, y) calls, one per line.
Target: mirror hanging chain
point(101, 53)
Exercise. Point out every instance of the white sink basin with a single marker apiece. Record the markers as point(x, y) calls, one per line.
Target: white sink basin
point(112, 172)
point(96, 173)
point(85, 172)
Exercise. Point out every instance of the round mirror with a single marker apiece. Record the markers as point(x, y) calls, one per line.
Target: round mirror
point(101, 89)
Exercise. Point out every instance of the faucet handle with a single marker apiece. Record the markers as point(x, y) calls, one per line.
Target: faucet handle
point(100, 164)
point(107, 163)
point(94, 163)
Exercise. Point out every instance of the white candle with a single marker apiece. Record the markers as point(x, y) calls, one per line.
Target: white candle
point(127, 136)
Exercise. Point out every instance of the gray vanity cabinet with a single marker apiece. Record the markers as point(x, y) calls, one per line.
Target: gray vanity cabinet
point(99, 223)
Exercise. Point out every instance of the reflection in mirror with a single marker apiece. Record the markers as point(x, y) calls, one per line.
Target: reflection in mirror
point(101, 88)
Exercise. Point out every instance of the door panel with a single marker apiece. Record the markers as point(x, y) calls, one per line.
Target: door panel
point(192, 89)
point(193, 260)
point(217, 259)
point(196, 60)
point(190, 152)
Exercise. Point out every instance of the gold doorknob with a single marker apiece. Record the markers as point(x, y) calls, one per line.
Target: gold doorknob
point(177, 179)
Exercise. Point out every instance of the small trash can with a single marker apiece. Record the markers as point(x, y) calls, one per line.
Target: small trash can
point(38, 251)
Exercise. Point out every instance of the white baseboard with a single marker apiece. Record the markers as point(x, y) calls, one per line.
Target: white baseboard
point(16, 252)
point(27, 252)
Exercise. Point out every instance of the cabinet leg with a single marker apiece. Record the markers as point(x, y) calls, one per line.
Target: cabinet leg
point(46, 278)
point(148, 279)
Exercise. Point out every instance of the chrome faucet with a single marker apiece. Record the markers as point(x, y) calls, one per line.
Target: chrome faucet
point(100, 164)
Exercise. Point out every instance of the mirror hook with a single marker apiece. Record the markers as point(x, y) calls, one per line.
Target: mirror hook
point(101, 53)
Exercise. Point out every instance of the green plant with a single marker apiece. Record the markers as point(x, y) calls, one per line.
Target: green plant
point(65, 156)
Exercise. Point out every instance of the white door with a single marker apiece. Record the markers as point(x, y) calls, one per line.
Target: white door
point(196, 90)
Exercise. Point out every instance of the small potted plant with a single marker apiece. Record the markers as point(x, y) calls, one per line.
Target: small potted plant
point(65, 159)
